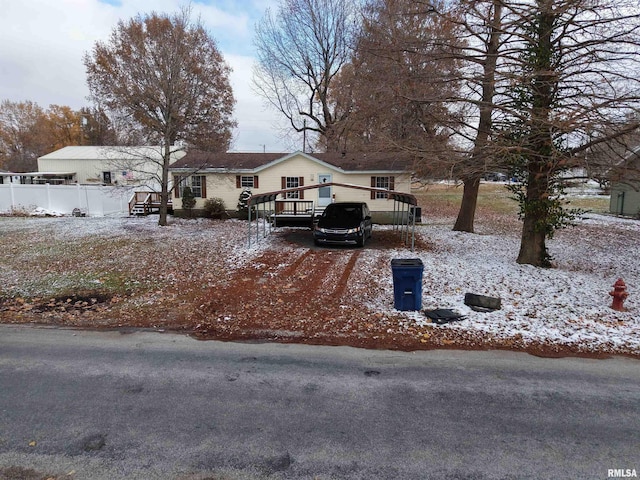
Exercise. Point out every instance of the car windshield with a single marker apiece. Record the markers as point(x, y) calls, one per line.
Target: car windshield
point(343, 214)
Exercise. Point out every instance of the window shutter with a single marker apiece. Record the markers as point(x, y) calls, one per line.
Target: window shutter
point(176, 182)
point(203, 185)
point(283, 182)
point(238, 184)
point(255, 181)
point(301, 184)
point(373, 185)
point(392, 183)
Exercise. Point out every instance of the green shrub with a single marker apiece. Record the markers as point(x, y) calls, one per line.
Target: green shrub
point(214, 208)
point(188, 200)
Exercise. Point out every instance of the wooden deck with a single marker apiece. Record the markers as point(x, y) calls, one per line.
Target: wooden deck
point(145, 203)
point(295, 213)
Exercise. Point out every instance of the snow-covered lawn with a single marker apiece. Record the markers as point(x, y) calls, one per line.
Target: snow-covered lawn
point(566, 306)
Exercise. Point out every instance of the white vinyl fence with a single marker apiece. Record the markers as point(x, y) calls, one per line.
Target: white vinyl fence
point(92, 200)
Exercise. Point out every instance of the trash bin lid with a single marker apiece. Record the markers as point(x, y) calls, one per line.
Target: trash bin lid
point(406, 262)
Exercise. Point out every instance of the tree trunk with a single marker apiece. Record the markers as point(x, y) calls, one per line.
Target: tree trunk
point(164, 185)
point(533, 248)
point(467, 212)
point(466, 215)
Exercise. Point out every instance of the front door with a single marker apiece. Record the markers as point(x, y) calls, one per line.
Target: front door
point(106, 178)
point(324, 193)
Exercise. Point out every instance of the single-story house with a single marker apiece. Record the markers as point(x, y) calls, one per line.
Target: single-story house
point(625, 186)
point(227, 175)
point(107, 165)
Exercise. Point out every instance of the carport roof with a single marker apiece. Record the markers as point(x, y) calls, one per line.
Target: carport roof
point(393, 195)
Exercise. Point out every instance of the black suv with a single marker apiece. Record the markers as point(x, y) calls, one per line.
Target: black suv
point(344, 223)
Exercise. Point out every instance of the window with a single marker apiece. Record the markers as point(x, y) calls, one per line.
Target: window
point(382, 182)
point(246, 181)
point(293, 182)
point(198, 184)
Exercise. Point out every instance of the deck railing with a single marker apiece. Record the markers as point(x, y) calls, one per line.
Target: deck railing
point(149, 201)
point(294, 207)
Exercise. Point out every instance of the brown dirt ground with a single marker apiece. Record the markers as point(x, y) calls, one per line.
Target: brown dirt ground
point(302, 295)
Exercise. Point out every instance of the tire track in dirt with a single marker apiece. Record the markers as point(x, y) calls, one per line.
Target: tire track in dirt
point(316, 273)
point(273, 293)
point(344, 279)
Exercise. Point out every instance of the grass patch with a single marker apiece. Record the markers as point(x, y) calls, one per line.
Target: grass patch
point(595, 203)
point(493, 198)
point(69, 283)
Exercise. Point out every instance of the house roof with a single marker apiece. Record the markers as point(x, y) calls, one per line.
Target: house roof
point(109, 153)
point(254, 162)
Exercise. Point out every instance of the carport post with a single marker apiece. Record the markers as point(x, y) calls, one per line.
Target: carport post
point(272, 211)
point(413, 232)
point(397, 215)
point(249, 223)
point(257, 224)
point(406, 236)
point(393, 218)
point(404, 225)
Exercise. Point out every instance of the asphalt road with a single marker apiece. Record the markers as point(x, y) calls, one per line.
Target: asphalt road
point(95, 405)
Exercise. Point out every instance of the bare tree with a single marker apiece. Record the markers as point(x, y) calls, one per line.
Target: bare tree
point(607, 161)
point(300, 51)
point(97, 128)
point(168, 75)
point(393, 91)
point(574, 68)
point(24, 135)
point(480, 24)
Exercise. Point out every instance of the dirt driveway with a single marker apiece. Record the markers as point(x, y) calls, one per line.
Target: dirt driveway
point(304, 294)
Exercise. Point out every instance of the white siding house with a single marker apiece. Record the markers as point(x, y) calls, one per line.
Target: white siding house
point(132, 166)
point(625, 186)
point(226, 175)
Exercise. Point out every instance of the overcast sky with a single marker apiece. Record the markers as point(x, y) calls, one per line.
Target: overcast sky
point(42, 43)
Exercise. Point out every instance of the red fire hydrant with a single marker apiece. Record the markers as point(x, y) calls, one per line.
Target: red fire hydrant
point(619, 295)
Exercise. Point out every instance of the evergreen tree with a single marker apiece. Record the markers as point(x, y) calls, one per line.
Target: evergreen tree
point(188, 200)
point(243, 204)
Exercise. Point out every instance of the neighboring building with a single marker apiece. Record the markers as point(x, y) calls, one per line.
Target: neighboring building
point(37, 178)
point(226, 175)
point(9, 177)
point(625, 187)
point(128, 166)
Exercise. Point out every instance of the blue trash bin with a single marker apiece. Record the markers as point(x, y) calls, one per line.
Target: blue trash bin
point(407, 283)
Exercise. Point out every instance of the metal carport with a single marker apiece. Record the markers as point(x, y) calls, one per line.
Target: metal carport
point(404, 209)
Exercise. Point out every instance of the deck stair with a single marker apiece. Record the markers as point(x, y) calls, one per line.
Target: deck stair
point(145, 203)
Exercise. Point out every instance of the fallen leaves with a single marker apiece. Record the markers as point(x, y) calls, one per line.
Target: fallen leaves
point(200, 277)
